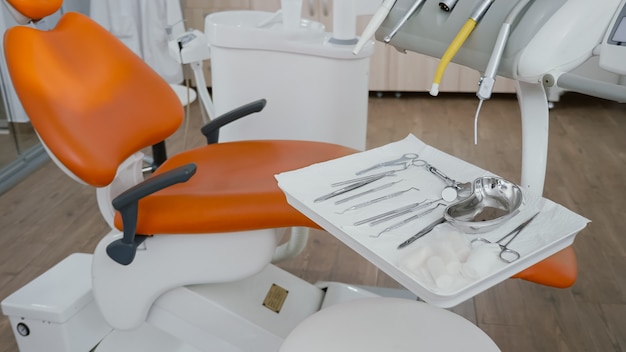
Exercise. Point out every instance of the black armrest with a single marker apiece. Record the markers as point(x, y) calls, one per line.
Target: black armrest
point(123, 250)
point(212, 129)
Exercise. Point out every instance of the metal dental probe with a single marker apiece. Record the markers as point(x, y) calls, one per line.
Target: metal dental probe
point(348, 188)
point(365, 178)
point(391, 212)
point(395, 213)
point(375, 189)
point(404, 212)
point(422, 233)
point(407, 220)
point(376, 200)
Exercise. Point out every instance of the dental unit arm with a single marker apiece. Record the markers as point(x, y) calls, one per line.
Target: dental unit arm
point(538, 43)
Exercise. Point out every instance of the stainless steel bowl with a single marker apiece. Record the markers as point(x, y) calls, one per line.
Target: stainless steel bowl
point(493, 201)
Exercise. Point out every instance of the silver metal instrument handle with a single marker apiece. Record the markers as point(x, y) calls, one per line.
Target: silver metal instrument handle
point(401, 23)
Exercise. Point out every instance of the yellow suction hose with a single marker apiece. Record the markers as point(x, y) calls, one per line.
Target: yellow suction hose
point(454, 47)
point(477, 14)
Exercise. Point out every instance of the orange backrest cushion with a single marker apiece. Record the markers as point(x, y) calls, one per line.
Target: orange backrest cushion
point(91, 99)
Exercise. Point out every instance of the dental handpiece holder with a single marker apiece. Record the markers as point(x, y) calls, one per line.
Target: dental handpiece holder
point(550, 43)
point(545, 36)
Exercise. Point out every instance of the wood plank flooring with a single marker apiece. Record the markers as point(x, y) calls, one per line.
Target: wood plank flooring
point(48, 216)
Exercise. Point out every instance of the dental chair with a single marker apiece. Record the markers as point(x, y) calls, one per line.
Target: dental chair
point(207, 218)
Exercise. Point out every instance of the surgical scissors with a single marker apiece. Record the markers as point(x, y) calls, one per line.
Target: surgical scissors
point(405, 159)
point(507, 254)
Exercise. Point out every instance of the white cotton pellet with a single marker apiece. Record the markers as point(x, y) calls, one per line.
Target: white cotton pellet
point(453, 268)
point(460, 245)
point(445, 251)
point(479, 263)
point(417, 259)
point(439, 273)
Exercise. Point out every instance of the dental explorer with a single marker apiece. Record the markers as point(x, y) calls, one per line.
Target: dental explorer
point(409, 219)
point(348, 188)
point(375, 189)
point(422, 233)
point(380, 218)
point(379, 199)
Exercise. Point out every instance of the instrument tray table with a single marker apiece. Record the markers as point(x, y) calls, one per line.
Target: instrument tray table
point(553, 229)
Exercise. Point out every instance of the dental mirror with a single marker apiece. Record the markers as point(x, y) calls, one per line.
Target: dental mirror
point(449, 194)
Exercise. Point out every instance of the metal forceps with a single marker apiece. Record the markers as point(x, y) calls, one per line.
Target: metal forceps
point(507, 254)
point(405, 159)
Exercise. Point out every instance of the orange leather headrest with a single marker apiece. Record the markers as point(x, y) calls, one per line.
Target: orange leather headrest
point(91, 99)
point(36, 9)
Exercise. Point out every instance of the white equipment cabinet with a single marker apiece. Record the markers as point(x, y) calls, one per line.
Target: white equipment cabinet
point(315, 89)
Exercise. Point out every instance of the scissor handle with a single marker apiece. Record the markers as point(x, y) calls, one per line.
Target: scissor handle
point(508, 255)
point(405, 159)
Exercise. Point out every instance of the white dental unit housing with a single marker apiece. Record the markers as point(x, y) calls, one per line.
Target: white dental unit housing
point(548, 42)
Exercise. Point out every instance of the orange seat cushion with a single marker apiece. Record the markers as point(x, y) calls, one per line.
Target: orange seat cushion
point(558, 270)
point(234, 188)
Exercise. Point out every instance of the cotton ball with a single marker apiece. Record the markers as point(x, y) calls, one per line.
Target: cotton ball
point(479, 262)
point(417, 259)
point(439, 273)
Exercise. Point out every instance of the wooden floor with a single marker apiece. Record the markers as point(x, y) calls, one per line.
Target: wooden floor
point(48, 216)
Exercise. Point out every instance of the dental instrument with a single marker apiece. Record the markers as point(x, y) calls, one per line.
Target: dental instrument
point(373, 25)
point(376, 200)
point(405, 18)
point(553, 44)
point(365, 178)
point(421, 233)
point(447, 5)
point(375, 189)
point(454, 189)
point(475, 17)
point(506, 254)
point(488, 79)
point(405, 160)
point(408, 220)
point(348, 188)
point(463, 190)
point(392, 214)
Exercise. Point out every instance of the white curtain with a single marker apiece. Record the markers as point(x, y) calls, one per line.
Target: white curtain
point(142, 25)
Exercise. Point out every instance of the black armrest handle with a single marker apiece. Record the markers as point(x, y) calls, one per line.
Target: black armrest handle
point(123, 250)
point(212, 129)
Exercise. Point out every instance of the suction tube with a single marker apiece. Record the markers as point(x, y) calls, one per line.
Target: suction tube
point(458, 41)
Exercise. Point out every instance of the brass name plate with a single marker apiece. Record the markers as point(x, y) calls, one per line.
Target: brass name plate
point(275, 298)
